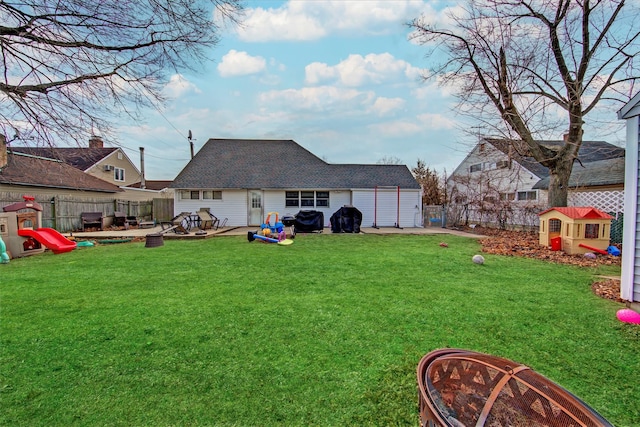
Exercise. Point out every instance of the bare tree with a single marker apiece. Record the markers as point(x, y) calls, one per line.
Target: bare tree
point(542, 65)
point(73, 67)
point(389, 160)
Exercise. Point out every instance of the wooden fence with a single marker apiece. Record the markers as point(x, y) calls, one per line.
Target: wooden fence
point(63, 212)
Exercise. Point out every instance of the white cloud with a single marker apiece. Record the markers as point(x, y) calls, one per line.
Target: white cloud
point(179, 86)
point(312, 20)
point(318, 99)
point(436, 121)
point(383, 106)
point(358, 70)
point(236, 63)
point(285, 23)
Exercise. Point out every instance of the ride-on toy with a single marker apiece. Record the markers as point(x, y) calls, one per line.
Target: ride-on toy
point(270, 232)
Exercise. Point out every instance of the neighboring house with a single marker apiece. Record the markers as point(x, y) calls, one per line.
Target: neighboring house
point(498, 183)
point(243, 180)
point(160, 188)
point(110, 164)
point(630, 277)
point(33, 174)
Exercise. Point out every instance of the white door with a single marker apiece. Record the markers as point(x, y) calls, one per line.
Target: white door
point(255, 207)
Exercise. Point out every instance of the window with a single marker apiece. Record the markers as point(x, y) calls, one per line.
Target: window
point(118, 174)
point(591, 231)
point(527, 195)
point(189, 195)
point(503, 164)
point(489, 199)
point(119, 155)
point(555, 225)
point(475, 168)
point(308, 199)
point(291, 199)
point(211, 195)
point(322, 199)
point(507, 196)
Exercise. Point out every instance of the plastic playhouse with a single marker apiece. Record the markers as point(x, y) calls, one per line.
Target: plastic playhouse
point(575, 230)
point(21, 232)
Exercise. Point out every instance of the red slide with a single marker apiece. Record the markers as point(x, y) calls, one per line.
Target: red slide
point(50, 238)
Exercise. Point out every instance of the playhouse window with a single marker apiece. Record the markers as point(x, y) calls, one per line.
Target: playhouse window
point(591, 231)
point(555, 225)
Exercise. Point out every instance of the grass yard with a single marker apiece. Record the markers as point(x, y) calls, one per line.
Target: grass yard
point(327, 331)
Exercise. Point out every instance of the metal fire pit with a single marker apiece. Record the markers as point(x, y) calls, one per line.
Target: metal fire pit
point(154, 240)
point(460, 388)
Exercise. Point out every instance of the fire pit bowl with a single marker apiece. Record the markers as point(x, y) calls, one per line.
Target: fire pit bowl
point(458, 388)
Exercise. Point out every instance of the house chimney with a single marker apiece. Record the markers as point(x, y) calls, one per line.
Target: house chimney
point(3, 151)
point(95, 142)
point(142, 183)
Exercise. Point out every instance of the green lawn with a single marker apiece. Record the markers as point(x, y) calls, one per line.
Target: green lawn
point(327, 331)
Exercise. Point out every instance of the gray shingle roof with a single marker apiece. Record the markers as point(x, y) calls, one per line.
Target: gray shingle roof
point(590, 151)
point(79, 158)
point(603, 172)
point(280, 164)
point(22, 169)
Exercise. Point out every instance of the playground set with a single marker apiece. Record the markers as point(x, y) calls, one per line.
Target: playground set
point(21, 234)
point(271, 232)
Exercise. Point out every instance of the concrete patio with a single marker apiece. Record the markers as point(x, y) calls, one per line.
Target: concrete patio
point(133, 233)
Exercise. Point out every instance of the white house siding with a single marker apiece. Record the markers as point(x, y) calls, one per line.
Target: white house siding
point(386, 214)
point(471, 186)
point(274, 201)
point(630, 278)
point(233, 206)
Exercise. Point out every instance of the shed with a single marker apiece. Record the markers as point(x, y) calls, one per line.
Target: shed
point(579, 229)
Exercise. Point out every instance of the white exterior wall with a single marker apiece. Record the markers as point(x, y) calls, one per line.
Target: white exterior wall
point(630, 277)
point(508, 180)
point(233, 206)
point(274, 201)
point(386, 214)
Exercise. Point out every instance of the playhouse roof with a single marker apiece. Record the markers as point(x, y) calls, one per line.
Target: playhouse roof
point(573, 212)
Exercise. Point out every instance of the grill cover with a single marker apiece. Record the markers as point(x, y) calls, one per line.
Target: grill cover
point(346, 220)
point(460, 388)
point(309, 221)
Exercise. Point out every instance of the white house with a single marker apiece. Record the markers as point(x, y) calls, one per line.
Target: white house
point(243, 180)
point(498, 181)
point(630, 279)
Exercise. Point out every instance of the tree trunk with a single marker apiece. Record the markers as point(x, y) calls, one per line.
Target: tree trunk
point(559, 184)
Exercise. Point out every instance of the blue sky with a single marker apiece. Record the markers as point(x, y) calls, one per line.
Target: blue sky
point(338, 77)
